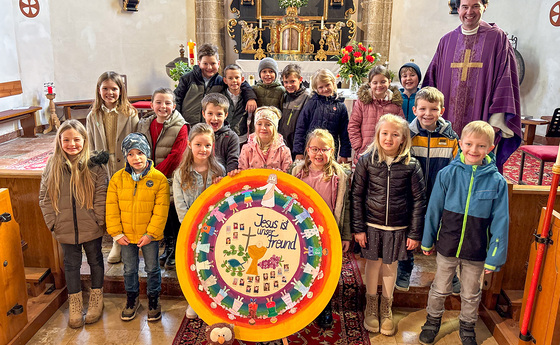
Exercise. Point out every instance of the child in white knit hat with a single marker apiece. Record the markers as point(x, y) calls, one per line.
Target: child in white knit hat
point(265, 147)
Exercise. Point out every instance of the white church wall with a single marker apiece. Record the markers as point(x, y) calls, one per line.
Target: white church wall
point(91, 37)
point(26, 56)
point(72, 43)
point(417, 28)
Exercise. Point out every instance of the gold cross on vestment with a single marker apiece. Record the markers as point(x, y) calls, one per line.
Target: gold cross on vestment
point(466, 64)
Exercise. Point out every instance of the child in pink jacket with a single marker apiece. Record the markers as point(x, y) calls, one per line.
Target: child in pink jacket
point(375, 99)
point(265, 148)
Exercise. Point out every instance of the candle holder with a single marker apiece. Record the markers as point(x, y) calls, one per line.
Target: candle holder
point(321, 53)
point(260, 52)
point(54, 122)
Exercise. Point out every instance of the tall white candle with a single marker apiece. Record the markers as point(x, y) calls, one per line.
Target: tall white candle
point(260, 22)
point(322, 23)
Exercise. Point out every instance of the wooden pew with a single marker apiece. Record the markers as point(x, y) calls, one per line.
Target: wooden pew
point(13, 303)
point(25, 115)
point(68, 106)
point(43, 250)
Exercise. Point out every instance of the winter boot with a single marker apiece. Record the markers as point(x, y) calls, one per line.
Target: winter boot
point(386, 316)
point(325, 319)
point(430, 330)
point(371, 315)
point(132, 304)
point(154, 308)
point(466, 333)
point(166, 251)
point(95, 306)
point(115, 253)
point(75, 310)
point(170, 262)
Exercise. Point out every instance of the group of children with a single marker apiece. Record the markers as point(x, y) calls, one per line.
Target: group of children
point(408, 179)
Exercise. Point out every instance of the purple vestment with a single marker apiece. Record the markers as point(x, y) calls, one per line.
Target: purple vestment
point(488, 85)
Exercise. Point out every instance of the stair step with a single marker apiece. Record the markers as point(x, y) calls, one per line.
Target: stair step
point(36, 279)
point(515, 299)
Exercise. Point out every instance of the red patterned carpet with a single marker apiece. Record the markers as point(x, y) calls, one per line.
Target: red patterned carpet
point(530, 171)
point(348, 303)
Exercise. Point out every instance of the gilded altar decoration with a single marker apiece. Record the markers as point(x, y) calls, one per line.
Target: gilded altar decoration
point(249, 37)
point(260, 250)
point(332, 37)
point(292, 30)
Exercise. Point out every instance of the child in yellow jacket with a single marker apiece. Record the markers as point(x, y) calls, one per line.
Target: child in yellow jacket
point(136, 213)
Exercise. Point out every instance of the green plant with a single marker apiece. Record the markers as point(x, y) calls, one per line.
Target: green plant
point(180, 69)
point(292, 3)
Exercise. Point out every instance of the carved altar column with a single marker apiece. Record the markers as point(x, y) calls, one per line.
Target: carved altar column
point(210, 24)
point(376, 24)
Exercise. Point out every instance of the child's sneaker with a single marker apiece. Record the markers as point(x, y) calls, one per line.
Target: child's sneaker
point(191, 314)
point(154, 308)
point(132, 304)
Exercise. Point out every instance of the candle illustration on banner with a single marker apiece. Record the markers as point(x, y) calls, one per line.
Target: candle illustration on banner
point(260, 22)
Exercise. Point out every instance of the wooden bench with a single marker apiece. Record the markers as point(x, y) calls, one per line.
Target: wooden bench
point(25, 115)
point(67, 106)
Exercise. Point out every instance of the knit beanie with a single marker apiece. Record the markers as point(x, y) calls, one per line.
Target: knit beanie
point(269, 113)
point(415, 67)
point(135, 141)
point(268, 63)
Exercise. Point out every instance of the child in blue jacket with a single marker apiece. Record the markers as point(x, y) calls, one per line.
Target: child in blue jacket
point(468, 217)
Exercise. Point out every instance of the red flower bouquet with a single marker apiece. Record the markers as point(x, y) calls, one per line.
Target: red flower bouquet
point(355, 61)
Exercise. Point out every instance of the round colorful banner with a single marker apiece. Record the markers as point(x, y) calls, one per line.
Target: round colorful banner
point(260, 250)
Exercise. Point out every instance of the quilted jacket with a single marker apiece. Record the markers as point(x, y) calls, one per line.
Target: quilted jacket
point(366, 113)
point(278, 156)
point(328, 113)
point(389, 195)
point(137, 208)
point(75, 224)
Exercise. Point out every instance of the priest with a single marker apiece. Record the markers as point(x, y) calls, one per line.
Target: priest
point(475, 68)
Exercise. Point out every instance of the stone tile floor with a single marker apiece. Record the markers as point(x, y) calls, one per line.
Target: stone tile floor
point(111, 330)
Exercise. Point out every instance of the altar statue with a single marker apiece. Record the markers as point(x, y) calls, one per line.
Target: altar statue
point(249, 36)
point(331, 36)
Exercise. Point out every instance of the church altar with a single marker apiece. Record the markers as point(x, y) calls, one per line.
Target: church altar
point(308, 68)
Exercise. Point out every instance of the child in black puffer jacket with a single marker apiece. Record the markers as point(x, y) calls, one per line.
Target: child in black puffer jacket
point(388, 201)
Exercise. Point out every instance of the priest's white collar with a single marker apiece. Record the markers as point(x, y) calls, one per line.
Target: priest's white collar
point(469, 32)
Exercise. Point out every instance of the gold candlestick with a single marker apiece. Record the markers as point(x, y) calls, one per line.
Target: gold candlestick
point(321, 53)
point(260, 52)
point(54, 123)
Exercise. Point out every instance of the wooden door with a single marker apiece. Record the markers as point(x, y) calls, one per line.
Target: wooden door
point(13, 292)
